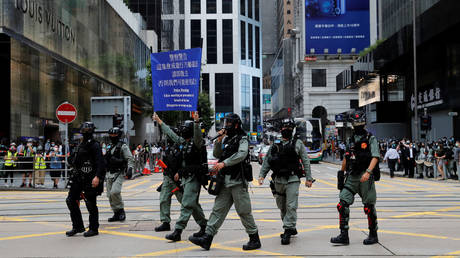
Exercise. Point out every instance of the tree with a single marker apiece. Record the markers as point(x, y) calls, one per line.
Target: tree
point(205, 111)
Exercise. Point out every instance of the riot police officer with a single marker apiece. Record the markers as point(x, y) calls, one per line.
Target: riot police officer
point(232, 154)
point(190, 173)
point(86, 182)
point(170, 186)
point(361, 166)
point(120, 163)
point(284, 160)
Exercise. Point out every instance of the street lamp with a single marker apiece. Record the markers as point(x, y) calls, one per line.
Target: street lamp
point(414, 39)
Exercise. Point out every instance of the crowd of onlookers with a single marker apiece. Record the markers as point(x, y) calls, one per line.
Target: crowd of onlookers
point(422, 159)
point(425, 159)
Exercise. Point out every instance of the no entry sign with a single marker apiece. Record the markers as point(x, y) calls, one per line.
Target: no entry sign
point(66, 113)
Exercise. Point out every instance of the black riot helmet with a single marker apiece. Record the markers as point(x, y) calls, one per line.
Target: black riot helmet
point(232, 124)
point(358, 118)
point(186, 129)
point(115, 134)
point(87, 130)
point(287, 127)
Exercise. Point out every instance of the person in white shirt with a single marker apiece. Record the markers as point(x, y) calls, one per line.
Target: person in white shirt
point(392, 156)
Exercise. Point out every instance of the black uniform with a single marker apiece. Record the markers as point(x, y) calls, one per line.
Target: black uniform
point(87, 163)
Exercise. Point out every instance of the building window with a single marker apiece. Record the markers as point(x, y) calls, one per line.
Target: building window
point(250, 9)
point(224, 92)
point(195, 31)
point(167, 7)
point(195, 6)
point(243, 7)
point(257, 47)
point(211, 6)
point(211, 41)
point(318, 78)
point(205, 82)
point(226, 6)
point(167, 42)
point(243, 42)
point(256, 10)
point(250, 45)
point(181, 7)
point(227, 41)
point(246, 101)
point(256, 119)
point(354, 103)
point(182, 34)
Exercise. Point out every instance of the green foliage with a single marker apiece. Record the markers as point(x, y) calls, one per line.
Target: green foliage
point(205, 111)
point(371, 48)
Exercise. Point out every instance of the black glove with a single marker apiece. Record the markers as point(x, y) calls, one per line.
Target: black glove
point(129, 173)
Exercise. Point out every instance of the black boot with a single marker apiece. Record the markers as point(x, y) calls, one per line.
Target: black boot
point(91, 233)
point(342, 238)
point(174, 236)
point(163, 227)
point(114, 217)
point(254, 242)
point(201, 232)
point(372, 238)
point(286, 237)
point(74, 231)
point(293, 232)
point(203, 241)
point(122, 215)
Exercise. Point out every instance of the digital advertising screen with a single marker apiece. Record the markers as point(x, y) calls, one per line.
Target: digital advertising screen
point(334, 24)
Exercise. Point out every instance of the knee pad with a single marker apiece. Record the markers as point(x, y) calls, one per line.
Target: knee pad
point(342, 205)
point(369, 209)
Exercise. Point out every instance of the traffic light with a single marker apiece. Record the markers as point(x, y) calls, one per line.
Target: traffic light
point(117, 121)
point(425, 124)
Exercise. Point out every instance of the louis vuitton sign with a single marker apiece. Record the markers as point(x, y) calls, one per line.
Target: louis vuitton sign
point(40, 14)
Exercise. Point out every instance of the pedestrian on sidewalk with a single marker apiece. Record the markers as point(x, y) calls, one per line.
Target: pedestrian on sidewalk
point(392, 156)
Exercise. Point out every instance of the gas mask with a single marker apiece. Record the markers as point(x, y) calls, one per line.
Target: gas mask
point(286, 133)
point(114, 139)
point(230, 130)
point(359, 130)
point(186, 133)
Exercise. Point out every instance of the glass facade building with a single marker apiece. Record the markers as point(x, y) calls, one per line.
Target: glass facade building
point(60, 51)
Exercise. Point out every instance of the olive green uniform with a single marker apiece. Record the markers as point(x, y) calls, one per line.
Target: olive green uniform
point(191, 185)
point(287, 188)
point(115, 180)
point(234, 191)
point(353, 185)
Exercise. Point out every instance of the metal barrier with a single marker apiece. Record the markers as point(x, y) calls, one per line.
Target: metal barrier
point(34, 175)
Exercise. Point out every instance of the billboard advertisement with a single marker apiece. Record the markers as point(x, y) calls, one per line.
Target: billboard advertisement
point(336, 24)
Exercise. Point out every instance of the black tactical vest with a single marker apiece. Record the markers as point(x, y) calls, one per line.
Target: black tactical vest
point(284, 160)
point(172, 159)
point(85, 160)
point(191, 155)
point(231, 146)
point(112, 166)
point(360, 154)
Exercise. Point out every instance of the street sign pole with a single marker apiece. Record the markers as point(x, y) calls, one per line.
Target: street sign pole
point(66, 113)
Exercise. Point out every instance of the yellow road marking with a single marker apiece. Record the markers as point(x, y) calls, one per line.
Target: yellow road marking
point(267, 220)
point(332, 204)
point(450, 255)
point(137, 184)
point(326, 183)
point(32, 235)
point(173, 251)
point(239, 250)
point(411, 234)
point(4, 218)
point(116, 233)
point(400, 183)
point(438, 195)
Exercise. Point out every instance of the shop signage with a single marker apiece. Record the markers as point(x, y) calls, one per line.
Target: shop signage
point(427, 98)
point(370, 92)
point(39, 13)
point(310, 58)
